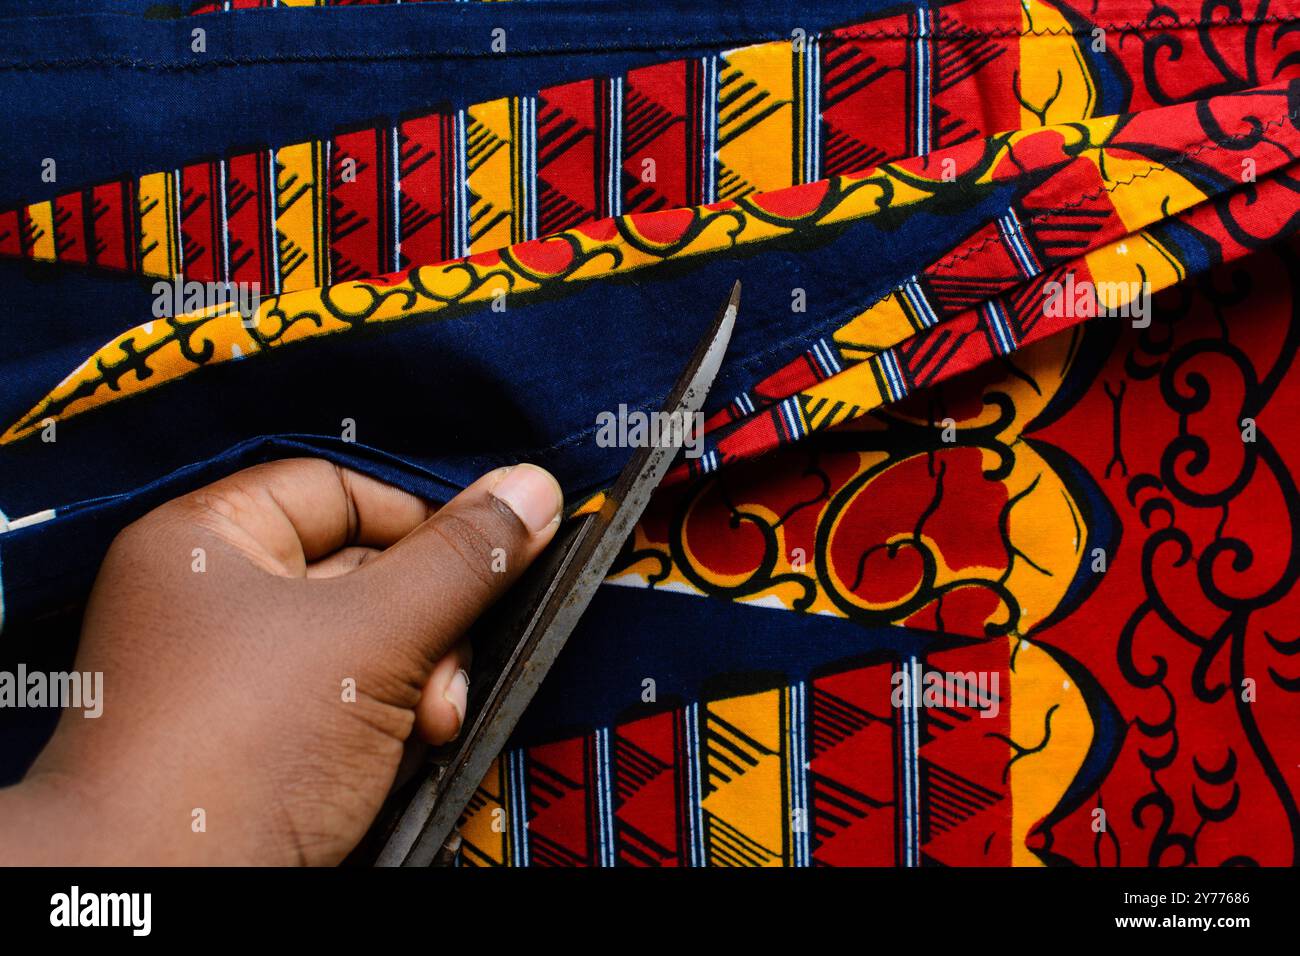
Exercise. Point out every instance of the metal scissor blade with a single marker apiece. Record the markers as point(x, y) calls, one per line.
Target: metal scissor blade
point(515, 647)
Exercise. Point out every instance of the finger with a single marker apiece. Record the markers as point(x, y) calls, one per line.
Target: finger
point(441, 712)
point(341, 562)
point(285, 514)
point(428, 588)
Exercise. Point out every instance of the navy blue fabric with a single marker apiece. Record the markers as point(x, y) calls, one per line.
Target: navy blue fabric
point(753, 647)
point(112, 92)
point(436, 402)
point(629, 635)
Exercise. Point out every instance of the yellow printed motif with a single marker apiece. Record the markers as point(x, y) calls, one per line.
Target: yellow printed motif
point(1055, 80)
point(1117, 268)
point(756, 119)
point(159, 216)
point(1051, 731)
point(157, 352)
point(1036, 511)
point(300, 216)
point(744, 779)
point(486, 838)
point(41, 217)
point(491, 160)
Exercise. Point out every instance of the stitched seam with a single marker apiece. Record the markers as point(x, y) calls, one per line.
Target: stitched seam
point(681, 43)
point(956, 257)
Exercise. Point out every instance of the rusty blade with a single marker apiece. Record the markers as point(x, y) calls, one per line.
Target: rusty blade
point(515, 647)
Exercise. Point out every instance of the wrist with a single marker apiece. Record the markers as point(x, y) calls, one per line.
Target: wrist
point(44, 824)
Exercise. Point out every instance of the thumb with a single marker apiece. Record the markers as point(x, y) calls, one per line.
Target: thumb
point(424, 592)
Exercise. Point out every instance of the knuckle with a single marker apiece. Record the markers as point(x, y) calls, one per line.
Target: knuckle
point(139, 542)
point(208, 505)
point(478, 536)
point(131, 538)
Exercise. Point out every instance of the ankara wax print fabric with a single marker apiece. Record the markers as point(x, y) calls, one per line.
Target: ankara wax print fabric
point(1008, 419)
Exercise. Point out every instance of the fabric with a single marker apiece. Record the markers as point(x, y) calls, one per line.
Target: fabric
point(914, 463)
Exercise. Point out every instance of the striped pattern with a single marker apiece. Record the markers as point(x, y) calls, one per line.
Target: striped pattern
point(807, 104)
point(447, 183)
point(1013, 238)
point(922, 67)
point(516, 807)
point(997, 324)
point(917, 304)
point(908, 761)
point(889, 375)
point(809, 772)
point(797, 775)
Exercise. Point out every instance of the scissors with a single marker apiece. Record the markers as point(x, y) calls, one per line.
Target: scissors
point(516, 644)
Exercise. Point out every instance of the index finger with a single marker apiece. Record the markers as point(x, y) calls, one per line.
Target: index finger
point(288, 513)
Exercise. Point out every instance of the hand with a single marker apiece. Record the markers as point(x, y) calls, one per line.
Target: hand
point(230, 625)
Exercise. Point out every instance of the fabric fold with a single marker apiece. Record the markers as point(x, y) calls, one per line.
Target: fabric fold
point(1079, 185)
